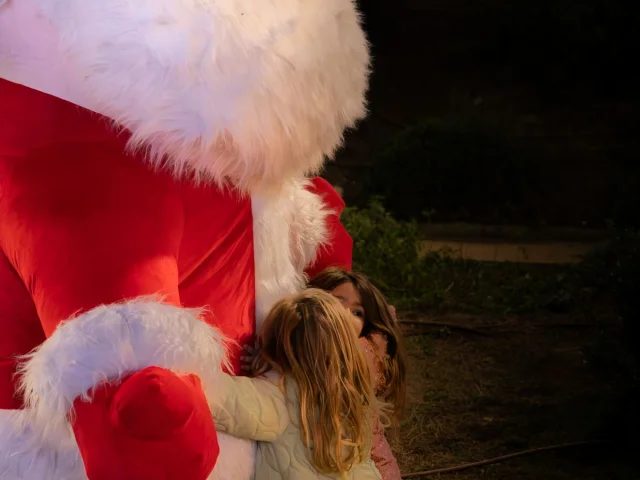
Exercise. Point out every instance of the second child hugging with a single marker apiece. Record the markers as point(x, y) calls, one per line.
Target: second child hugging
point(310, 402)
point(381, 342)
point(380, 337)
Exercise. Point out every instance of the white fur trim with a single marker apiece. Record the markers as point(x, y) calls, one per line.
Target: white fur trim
point(308, 231)
point(253, 92)
point(237, 459)
point(30, 54)
point(25, 456)
point(288, 229)
point(20, 460)
point(109, 342)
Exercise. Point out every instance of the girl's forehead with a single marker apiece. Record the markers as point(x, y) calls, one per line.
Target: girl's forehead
point(347, 292)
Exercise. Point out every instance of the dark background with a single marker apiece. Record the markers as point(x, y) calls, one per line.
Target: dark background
point(499, 112)
point(496, 114)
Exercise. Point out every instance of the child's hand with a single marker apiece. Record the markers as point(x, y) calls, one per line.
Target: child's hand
point(247, 360)
point(392, 312)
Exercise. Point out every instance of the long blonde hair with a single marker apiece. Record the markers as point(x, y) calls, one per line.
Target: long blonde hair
point(309, 339)
point(377, 318)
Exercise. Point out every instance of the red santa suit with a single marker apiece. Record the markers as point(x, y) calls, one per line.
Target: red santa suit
point(152, 162)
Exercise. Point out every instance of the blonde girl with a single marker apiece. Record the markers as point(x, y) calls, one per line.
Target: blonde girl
point(310, 402)
point(381, 340)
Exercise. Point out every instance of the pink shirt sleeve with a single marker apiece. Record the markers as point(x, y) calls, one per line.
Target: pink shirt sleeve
point(375, 349)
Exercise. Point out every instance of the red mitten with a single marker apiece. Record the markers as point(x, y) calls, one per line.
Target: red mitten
point(155, 425)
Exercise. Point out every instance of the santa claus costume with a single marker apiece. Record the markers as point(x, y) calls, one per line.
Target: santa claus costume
point(153, 156)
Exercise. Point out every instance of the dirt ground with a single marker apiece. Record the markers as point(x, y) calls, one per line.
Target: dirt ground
point(525, 383)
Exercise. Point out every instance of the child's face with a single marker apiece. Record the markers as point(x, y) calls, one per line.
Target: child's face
point(350, 299)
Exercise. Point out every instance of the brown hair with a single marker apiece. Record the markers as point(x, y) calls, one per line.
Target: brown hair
point(309, 338)
point(377, 318)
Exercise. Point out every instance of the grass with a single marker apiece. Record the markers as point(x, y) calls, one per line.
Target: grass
point(529, 384)
point(499, 288)
point(385, 249)
point(557, 365)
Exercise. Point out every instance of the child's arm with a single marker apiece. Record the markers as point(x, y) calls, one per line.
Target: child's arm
point(251, 408)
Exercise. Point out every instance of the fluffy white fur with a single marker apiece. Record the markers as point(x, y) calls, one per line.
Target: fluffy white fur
point(110, 341)
point(248, 91)
point(25, 456)
point(30, 54)
point(104, 343)
point(308, 230)
point(288, 228)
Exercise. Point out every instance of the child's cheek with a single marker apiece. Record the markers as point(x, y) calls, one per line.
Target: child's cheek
point(357, 323)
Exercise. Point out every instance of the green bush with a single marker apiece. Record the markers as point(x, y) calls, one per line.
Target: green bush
point(456, 171)
point(387, 250)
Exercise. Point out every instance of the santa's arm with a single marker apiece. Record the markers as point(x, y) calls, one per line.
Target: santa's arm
point(337, 247)
point(86, 227)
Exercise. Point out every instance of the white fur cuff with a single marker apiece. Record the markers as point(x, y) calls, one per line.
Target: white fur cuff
point(112, 341)
point(25, 456)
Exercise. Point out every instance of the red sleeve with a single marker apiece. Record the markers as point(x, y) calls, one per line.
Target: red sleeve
point(21, 331)
point(83, 226)
point(338, 251)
